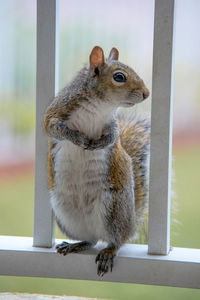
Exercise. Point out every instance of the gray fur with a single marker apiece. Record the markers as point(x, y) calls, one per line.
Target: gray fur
point(108, 137)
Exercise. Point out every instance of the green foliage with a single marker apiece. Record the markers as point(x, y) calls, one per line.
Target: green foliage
point(19, 114)
point(16, 206)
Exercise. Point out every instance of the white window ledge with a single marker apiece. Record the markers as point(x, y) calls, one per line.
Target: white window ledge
point(19, 296)
point(180, 268)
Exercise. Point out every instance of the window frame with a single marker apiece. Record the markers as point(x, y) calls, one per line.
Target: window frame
point(154, 263)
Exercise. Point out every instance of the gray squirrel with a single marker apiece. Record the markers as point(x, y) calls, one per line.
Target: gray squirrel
point(97, 158)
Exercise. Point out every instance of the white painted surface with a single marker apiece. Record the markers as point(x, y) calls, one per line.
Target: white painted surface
point(161, 129)
point(46, 66)
point(180, 268)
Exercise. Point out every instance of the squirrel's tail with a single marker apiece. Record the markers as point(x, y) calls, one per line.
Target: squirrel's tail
point(135, 139)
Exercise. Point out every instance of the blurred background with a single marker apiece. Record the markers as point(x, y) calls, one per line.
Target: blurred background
point(127, 25)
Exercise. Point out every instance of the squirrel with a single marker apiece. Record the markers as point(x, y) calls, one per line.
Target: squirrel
point(98, 158)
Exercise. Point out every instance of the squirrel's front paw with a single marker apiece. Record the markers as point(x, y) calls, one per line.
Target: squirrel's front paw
point(105, 260)
point(60, 126)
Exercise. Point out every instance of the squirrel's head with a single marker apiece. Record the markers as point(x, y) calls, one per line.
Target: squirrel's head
point(114, 81)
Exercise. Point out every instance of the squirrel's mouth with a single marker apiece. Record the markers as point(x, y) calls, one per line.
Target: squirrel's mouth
point(127, 103)
point(132, 100)
point(135, 96)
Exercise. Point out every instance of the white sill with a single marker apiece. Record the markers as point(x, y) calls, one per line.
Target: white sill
point(133, 264)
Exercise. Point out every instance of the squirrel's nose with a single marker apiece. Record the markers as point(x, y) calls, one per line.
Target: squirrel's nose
point(145, 93)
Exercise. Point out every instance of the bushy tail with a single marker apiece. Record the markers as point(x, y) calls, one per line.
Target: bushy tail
point(135, 139)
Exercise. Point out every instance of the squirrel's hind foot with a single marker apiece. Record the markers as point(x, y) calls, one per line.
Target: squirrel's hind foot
point(64, 248)
point(105, 260)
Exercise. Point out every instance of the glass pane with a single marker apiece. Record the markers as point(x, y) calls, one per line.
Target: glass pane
point(83, 25)
point(127, 25)
point(186, 140)
point(17, 115)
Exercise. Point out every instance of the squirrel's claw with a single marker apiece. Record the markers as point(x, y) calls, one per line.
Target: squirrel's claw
point(63, 248)
point(105, 260)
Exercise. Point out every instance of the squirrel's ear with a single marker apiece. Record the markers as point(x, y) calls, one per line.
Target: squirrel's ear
point(96, 59)
point(114, 54)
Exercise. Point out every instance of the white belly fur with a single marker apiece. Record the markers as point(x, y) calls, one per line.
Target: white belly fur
point(81, 191)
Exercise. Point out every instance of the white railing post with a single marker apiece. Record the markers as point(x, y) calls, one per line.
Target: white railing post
point(45, 91)
point(161, 129)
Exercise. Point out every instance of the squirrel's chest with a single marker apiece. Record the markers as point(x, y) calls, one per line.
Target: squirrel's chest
point(80, 176)
point(80, 190)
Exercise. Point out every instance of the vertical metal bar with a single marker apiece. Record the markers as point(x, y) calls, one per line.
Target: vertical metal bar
point(161, 129)
point(45, 91)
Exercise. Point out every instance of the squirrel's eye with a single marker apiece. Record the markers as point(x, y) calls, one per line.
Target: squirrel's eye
point(119, 77)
